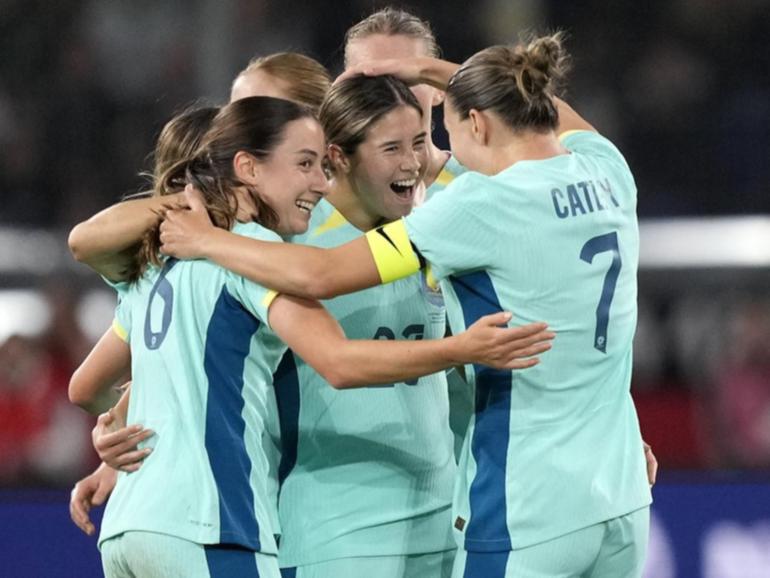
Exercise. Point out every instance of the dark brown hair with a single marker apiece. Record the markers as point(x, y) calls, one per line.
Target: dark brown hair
point(179, 139)
point(255, 125)
point(518, 83)
point(356, 103)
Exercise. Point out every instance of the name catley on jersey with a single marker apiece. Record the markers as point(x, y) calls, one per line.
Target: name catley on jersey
point(365, 472)
point(203, 356)
point(557, 447)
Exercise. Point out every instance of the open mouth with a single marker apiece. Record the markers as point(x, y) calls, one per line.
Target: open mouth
point(404, 189)
point(305, 205)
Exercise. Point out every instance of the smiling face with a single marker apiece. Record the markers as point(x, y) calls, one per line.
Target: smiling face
point(387, 166)
point(395, 46)
point(291, 179)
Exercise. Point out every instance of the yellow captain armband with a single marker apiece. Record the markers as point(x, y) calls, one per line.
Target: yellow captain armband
point(392, 251)
point(119, 330)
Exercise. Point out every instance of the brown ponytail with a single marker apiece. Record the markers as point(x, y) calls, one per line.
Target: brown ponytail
point(518, 83)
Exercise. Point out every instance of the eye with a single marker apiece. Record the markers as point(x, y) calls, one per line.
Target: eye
point(306, 164)
point(391, 148)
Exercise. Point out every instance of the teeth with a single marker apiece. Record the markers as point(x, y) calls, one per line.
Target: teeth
point(406, 183)
point(305, 205)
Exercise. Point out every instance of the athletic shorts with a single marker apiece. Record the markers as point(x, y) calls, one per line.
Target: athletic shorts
point(154, 555)
point(435, 565)
point(612, 549)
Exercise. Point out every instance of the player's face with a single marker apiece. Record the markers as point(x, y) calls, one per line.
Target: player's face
point(259, 83)
point(291, 180)
point(396, 46)
point(389, 165)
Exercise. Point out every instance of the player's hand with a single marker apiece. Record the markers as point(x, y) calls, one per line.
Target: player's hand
point(490, 342)
point(183, 232)
point(652, 463)
point(409, 70)
point(91, 491)
point(117, 444)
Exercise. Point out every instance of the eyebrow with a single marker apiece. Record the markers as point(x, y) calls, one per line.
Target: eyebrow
point(423, 134)
point(307, 152)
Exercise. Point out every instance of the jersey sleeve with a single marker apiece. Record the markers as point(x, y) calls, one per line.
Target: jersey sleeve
point(254, 297)
point(593, 144)
point(451, 232)
point(121, 323)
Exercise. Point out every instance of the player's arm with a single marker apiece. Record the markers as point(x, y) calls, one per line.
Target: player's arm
point(108, 241)
point(299, 270)
point(569, 119)
point(93, 490)
point(418, 70)
point(93, 384)
point(308, 329)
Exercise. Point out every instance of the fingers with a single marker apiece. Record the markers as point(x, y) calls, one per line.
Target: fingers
point(652, 464)
point(119, 449)
point(194, 198)
point(499, 318)
point(80, 506)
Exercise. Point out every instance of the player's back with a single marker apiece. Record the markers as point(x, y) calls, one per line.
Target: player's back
point(556, 447)
point(202, 360)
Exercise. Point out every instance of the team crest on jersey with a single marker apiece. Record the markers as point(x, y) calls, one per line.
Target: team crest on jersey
point(433, 296)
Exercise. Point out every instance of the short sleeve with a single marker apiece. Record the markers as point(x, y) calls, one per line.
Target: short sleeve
point(452, 231)
point(594, 145)
point(254, 297)
point(121, 324)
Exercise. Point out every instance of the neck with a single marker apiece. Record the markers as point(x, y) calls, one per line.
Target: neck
point(436, 161)
point(529, 146)
point(345, 200)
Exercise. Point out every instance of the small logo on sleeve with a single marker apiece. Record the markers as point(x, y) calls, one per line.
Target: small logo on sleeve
point(460, 523)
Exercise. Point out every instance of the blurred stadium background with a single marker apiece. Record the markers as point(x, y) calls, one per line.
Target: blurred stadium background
point(682, 86)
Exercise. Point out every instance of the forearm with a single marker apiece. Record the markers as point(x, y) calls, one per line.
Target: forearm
point(291, 269)
point(360, 363)
point(107, 241)
point(437, 73)
point(569, 119)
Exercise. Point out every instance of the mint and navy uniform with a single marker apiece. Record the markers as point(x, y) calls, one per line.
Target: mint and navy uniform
point(460, 394)
point(203, 356)
point(556, 448)
point(366, 475)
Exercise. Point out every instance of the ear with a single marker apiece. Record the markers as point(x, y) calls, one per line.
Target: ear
point(438, 97)
point(479, 126)
point(246, 168)
point(339, 160)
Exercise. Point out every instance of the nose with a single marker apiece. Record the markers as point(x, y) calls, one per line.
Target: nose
point(410, 162)
point(320, 183)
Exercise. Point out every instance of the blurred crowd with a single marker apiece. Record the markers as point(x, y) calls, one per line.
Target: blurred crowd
point(681, 86)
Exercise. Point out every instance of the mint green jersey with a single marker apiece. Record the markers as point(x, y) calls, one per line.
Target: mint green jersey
point(460, 395)
point(556, 447)
point(371, 471)
point(203, 356)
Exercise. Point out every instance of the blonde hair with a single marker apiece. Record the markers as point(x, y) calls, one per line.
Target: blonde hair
point(518, 83)
point(393, 22)
point(307, 79)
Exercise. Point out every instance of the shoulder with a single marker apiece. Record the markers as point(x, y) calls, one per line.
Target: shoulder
point(256, 231)
point(591, 143)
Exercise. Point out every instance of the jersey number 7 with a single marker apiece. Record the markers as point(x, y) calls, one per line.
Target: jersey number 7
point(594, 246)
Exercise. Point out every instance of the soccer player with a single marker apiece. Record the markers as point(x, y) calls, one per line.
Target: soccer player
point(553, 478)
point(205, 343)
point(389, 450)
